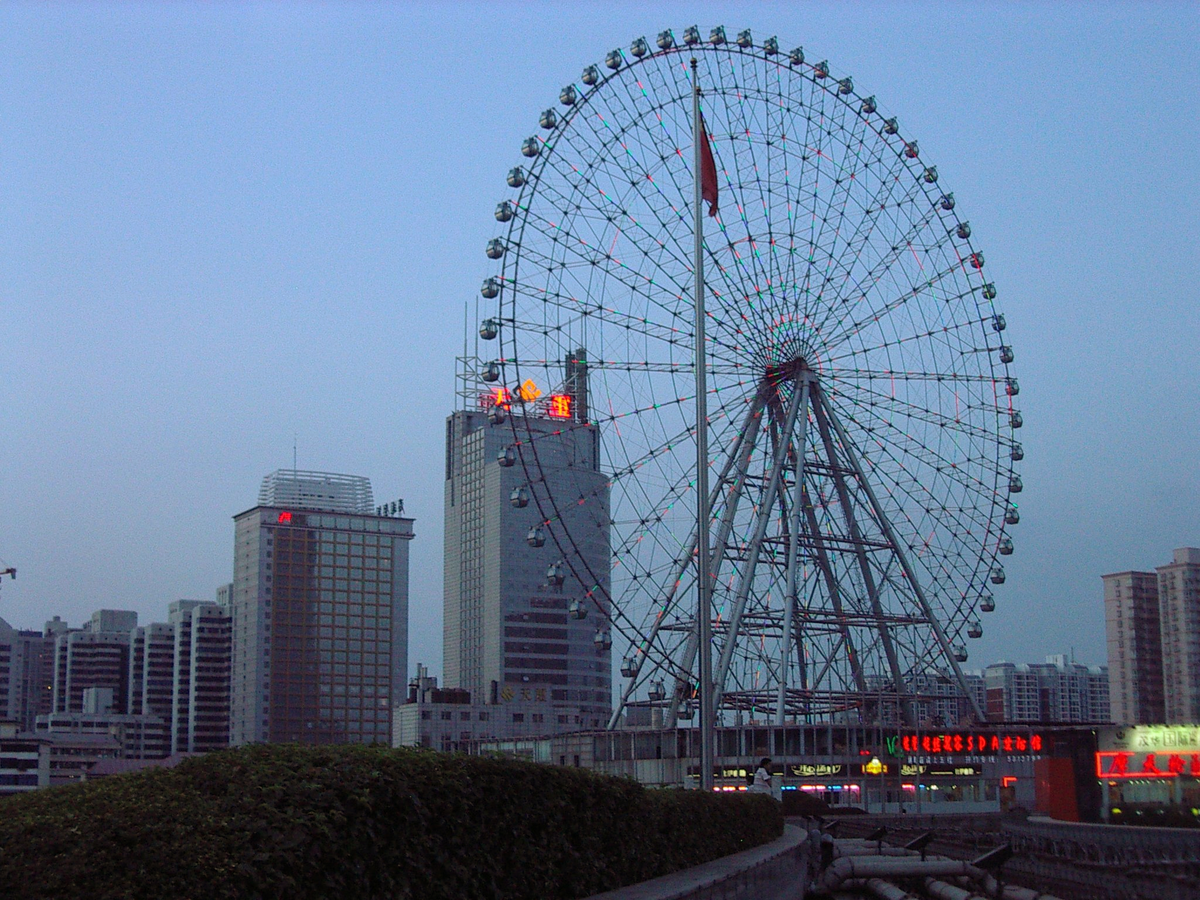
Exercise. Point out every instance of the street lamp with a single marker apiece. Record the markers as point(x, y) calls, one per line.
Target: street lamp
point(875, 767)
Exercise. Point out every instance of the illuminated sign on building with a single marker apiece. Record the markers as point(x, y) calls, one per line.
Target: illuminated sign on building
point(509, 694)
point(912, 770)
point(1158, 738)
point(559, 406)
point(555, 406)
point(964, 742)
point(1126, 764)
point(816, 770)
point(285, 518)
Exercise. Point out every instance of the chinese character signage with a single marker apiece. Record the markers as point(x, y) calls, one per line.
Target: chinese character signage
point(816, 770)
point(958, 743)
point(1181, 739)
point(1127, 764)
point(911, 770)
point(509, 694)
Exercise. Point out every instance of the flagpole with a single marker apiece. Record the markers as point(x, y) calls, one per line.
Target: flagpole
point(703, 581)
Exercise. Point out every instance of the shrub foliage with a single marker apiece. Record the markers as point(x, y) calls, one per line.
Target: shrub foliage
point(348, 822)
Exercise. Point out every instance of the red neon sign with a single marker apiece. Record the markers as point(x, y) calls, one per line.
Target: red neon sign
point(559, 407)
point(285, 518)
point(1126, 764)
point(958, 742)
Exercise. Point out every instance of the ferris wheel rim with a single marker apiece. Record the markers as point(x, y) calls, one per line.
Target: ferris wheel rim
point(530, 463)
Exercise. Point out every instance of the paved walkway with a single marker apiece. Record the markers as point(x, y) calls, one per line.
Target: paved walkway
point(774, 871)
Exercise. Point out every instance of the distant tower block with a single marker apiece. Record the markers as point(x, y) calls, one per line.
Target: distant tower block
point(320, 613)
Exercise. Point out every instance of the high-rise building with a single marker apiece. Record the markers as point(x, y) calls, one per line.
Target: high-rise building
point(1135, 656)
point(524, 619)
point(1179, 621)
point(1057, 690)
point(179, 673)
point(95, 657)
point(179, 617)
point(203, 646)
point(26, 674)
point(151, 670)
point(320, 613)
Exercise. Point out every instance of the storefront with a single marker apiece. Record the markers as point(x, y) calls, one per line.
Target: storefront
point(1146, 770)
point(983, 770)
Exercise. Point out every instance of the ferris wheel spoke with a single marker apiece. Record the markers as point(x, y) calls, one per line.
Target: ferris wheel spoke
point(874, 234)
point(953, 521)
point(871, 375)
point(922, 498)
point(841, 229)
point(898, 248)
point(592, 258)
point(740, 138)
point(941, 334)
point(958, 424)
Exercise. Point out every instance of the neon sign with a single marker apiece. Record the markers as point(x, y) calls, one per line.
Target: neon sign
point(1127, 764)
point(559, 406)
point(970, 742)
point(528, 391)
point(285, 518)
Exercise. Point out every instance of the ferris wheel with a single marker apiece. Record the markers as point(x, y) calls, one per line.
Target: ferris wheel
point(861, 426)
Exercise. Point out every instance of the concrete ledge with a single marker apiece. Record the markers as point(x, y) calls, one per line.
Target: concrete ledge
point(765, 870)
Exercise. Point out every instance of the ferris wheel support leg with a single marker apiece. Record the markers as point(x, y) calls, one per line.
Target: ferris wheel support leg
point(793, 550)
point(765, 510)
point(753, 417)
point(909, 575)
point(835, 598)
point(741, 454)
point(823, 416)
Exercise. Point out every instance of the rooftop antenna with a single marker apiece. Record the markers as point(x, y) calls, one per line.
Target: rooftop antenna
point(295, 442)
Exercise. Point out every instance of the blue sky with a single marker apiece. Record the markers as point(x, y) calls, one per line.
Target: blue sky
point(228, 225)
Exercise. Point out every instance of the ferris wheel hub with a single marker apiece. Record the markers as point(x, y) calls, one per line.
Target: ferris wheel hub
point(796, 370)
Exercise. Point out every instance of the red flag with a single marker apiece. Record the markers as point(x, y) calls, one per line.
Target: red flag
point(708, 171)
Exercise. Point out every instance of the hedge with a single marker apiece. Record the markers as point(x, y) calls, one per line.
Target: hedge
point(359, 823)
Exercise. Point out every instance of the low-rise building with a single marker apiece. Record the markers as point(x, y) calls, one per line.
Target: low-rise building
point(24, 759)
point(448, 720)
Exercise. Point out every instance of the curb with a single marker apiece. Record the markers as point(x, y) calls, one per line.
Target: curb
point(729, 876)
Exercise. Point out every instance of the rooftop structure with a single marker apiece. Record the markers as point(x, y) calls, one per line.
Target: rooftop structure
point(300, 489)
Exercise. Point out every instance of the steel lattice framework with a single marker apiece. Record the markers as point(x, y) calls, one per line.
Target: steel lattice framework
point(859, 389)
